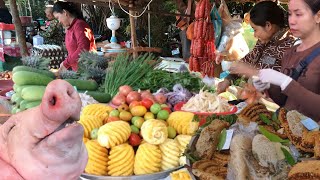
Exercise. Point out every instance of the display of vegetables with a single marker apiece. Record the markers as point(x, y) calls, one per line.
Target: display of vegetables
point(127, 71)
point(157, 79)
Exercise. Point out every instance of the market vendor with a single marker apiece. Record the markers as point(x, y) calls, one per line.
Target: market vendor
point(302, 94)
point(79, 36)
point(53, 33)
point(268, 23)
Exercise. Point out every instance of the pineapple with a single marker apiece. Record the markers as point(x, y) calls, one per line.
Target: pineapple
point(87, 59)
point(66, 74)
point(36, 61)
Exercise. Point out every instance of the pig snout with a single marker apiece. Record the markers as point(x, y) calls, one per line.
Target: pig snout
point(61, 102)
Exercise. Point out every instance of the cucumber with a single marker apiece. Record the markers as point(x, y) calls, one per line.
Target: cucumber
point(99, 96)
point(18, 101)
point(13, 110)
point(33, 93)
point(30, 78)
point(31, 69)
point(89, 85)
point(15, 87)
point(32, 104)
point(19, 88)
point(14, 97)
point(23, 104)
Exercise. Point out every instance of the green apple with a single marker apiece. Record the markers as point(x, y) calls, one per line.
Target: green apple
point(155, 108)
point(114, 113)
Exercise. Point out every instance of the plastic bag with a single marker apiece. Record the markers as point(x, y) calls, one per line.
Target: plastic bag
point(217, 23)
point(232, 43)
point(224, 13)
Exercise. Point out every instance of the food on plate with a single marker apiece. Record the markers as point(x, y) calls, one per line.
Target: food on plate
point(113, 133)
point(183, 122)
point(307, 141)
point(121, 160)
point(170, 154)
point(148, 159)
point(99, 110)
point(207, 102)
point(252, 112)
point(305, 170)
point(183, 141)
point(269, 154)
point(154, 131)
point(239, 148)
point(250, 94)
point(209, 139)
point(90, 122)
point(182, 174)
point(222, 157)
point(209, 169)
point(98, 159)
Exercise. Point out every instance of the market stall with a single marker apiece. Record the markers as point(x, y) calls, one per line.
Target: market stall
point(138, 121)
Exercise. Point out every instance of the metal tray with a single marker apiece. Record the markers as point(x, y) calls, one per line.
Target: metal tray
point(154, 176)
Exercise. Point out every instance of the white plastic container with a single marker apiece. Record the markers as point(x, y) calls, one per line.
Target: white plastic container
point(37, 40)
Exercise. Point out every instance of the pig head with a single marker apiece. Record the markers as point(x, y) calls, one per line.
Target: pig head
point(45, 142)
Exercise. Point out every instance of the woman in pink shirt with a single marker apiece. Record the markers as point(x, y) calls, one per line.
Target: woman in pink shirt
point(79, 36)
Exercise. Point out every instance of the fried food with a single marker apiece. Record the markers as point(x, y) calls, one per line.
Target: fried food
point(252, 112)
point(305, 170)
point(209, 170)
point(307, 141)
point(209, 139)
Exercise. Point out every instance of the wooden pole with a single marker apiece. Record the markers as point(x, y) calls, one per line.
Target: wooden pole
point(133, 31)
point(20, 33)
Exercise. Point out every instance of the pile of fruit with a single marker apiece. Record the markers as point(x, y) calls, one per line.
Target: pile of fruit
point(140, 137)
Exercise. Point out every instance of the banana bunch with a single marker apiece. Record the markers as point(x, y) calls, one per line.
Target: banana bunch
point(121, 160)
point(97, 158)
point(90, 122)
point(99, 110)
point(148, 159)
point(113, 134)
point(170, 154)
point(154, 131)
point(182, 122)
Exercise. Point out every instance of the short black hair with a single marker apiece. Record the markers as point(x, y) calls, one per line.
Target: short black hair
point(267, 11)
point(59, 6)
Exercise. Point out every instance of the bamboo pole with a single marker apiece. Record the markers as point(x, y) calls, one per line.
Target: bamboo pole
point(18, 28)
point(133, 31)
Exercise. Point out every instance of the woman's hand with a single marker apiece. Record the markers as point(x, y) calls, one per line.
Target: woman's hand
point(243, 69)
point(222, 86)
point(62, 68)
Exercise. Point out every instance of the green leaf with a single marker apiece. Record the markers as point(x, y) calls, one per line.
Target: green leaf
point(272, 137)
point(289, 158)
point(222, 139)
point(265, 119)
point(275, 118)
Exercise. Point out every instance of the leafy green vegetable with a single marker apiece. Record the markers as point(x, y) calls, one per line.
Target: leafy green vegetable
point(272, 137)
point(222, 139)
point(265, 119)
point(289, 158)
point(157, 79)
point(128, 71)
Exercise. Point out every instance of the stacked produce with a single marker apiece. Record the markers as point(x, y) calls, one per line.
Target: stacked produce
point(29, 86)
point(202, 45)
point(136, 134)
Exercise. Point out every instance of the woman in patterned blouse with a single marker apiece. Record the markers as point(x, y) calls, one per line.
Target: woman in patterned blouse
point(268, 22)
point(54, 33)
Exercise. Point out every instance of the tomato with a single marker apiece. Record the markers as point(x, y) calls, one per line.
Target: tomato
point(202, 121)
point(134, 103)
point(167, 109)
point(113, 118)
point(134, 139)
point(146, 103)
